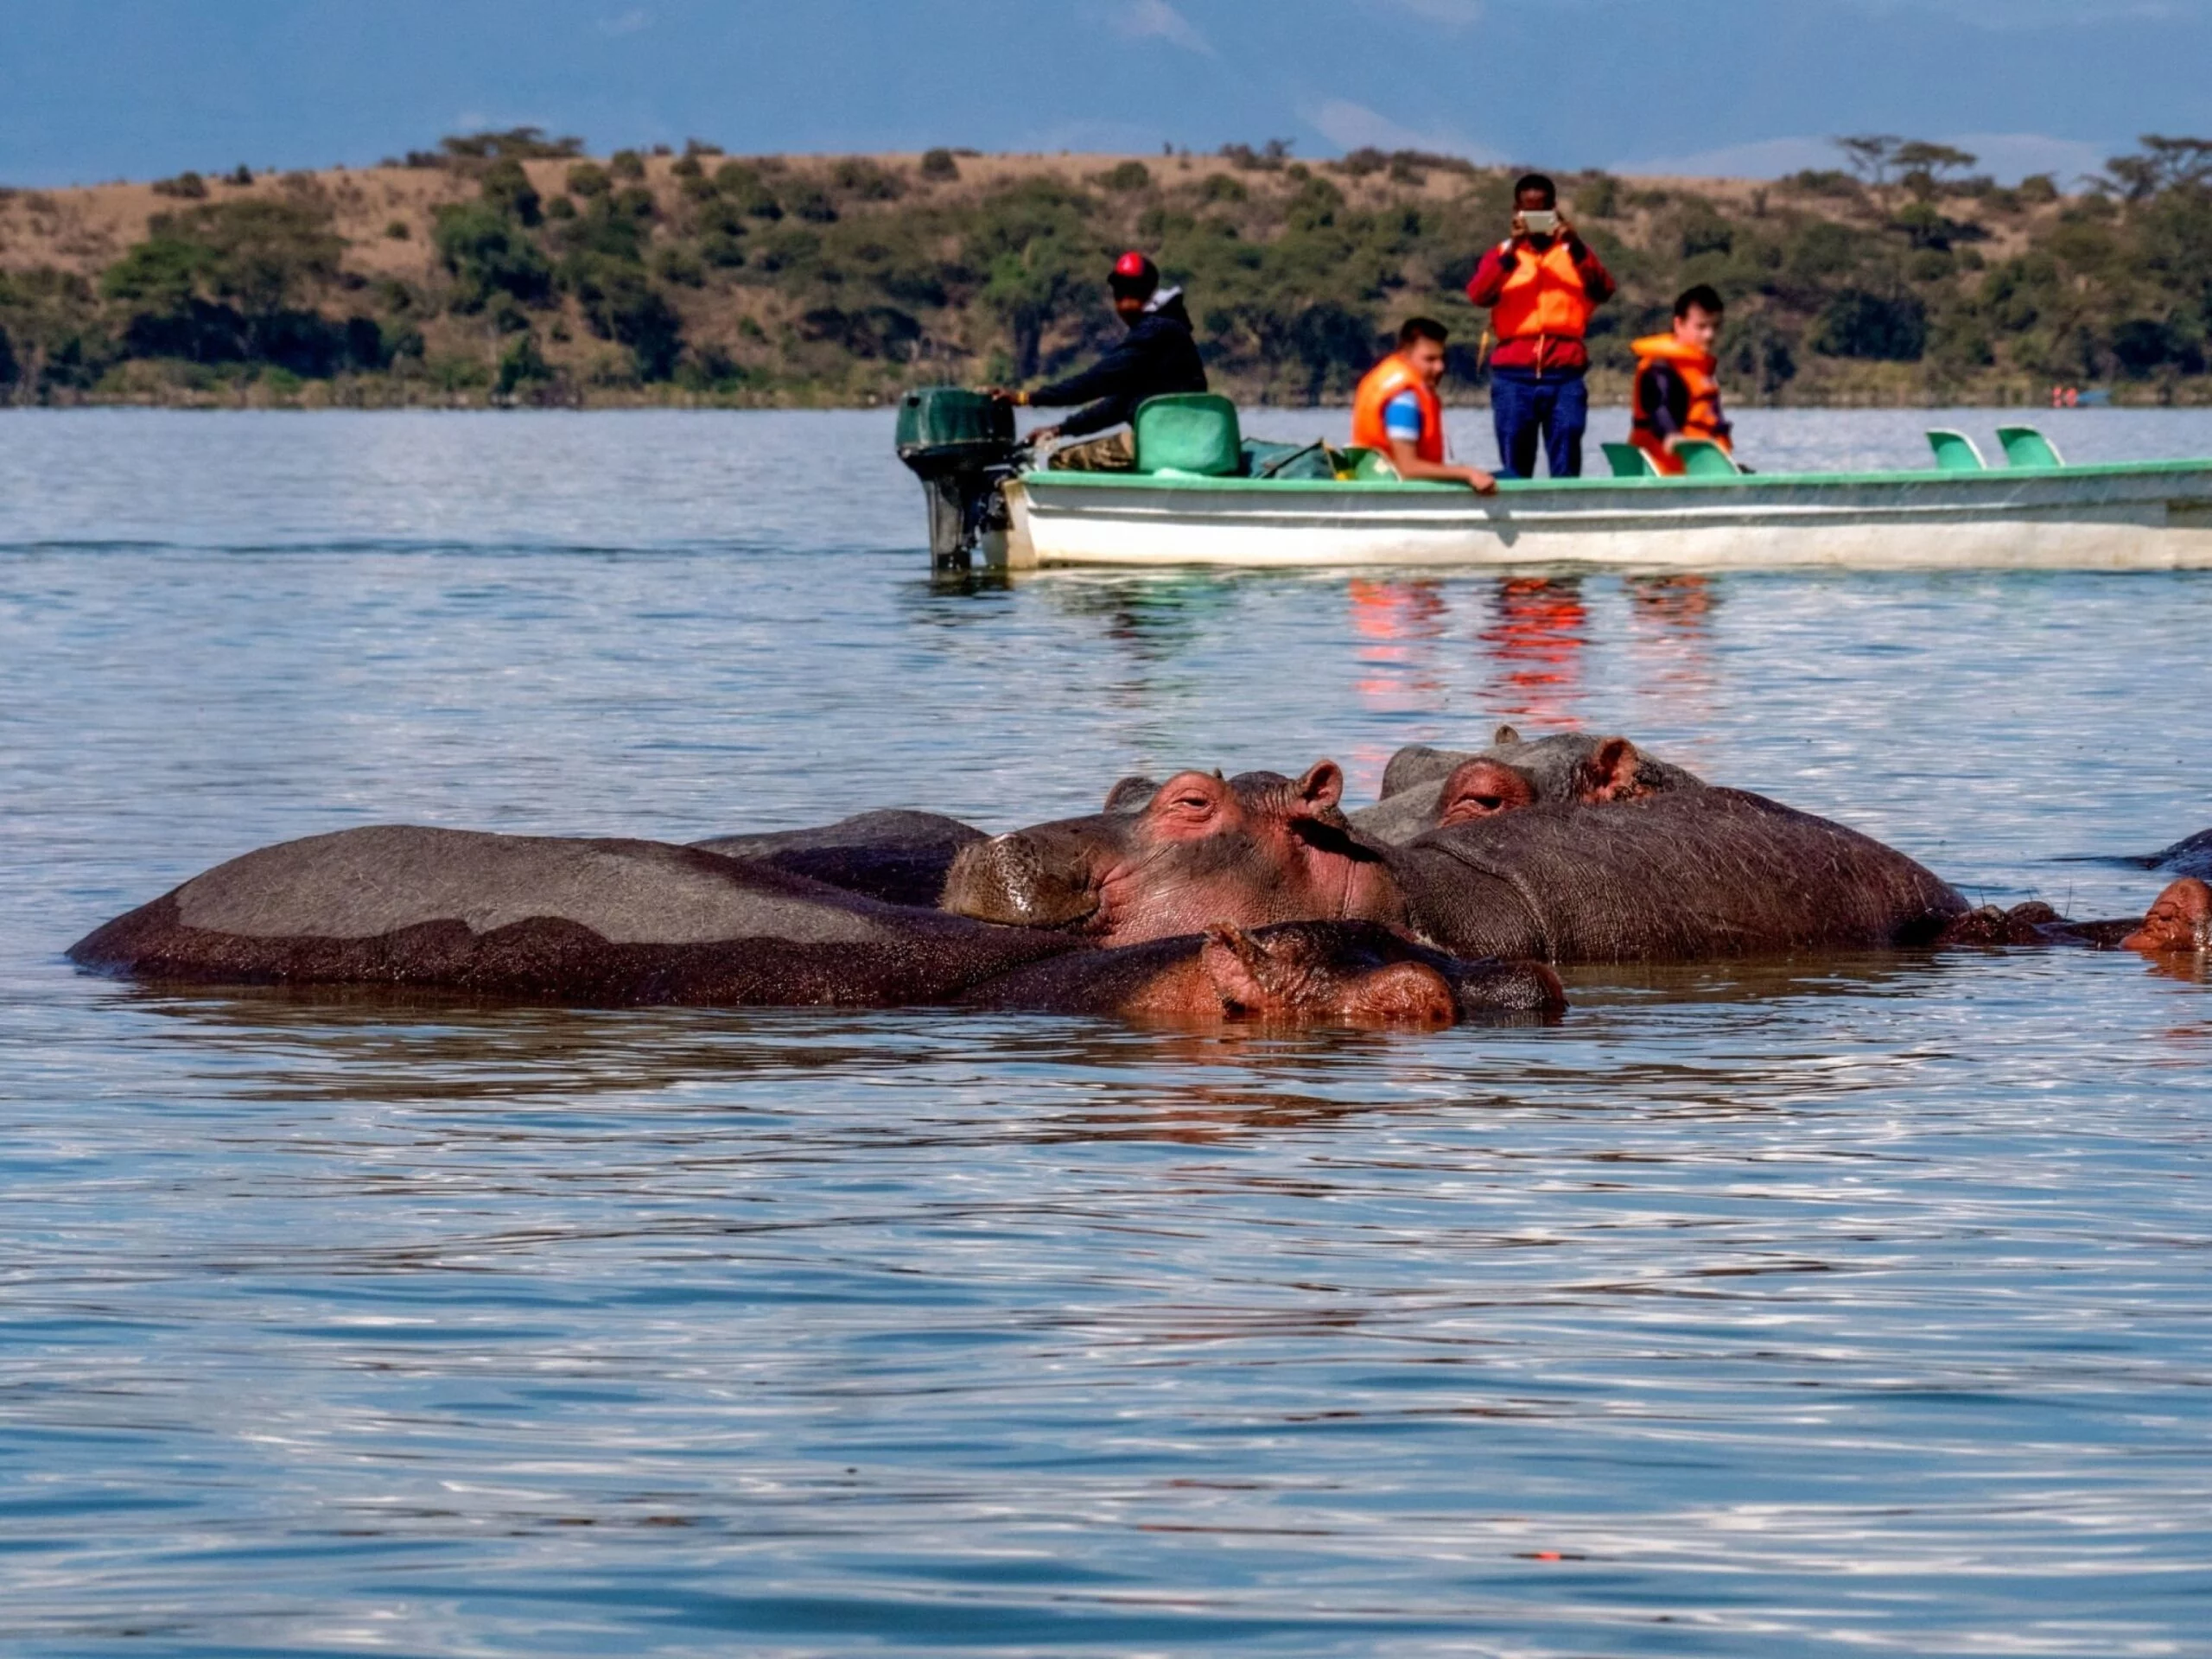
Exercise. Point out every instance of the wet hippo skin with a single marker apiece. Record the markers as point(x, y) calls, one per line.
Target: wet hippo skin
point(2192, 856)
point(577, 920)
point(1423, 788)
point(897, 855)
point(1306, 973)
point(1679, 876)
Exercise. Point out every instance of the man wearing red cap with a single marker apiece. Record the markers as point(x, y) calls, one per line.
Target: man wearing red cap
point(1157, 356)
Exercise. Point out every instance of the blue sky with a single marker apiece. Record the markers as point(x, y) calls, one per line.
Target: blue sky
point(103, 89)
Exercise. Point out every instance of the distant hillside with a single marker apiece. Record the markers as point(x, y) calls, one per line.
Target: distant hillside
point(506, 268)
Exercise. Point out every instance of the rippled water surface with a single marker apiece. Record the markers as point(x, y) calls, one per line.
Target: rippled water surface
point(1827, 1307)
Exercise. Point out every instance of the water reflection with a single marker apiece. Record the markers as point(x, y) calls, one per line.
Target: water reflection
point(1670, 643)
point(1400, 628)
point(1537, 633)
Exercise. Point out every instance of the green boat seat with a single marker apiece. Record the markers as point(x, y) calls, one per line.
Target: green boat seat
point(1954, 451)
point(2026, 447)
point(1629, 462)
point(1702, 458)
point(1193, 433)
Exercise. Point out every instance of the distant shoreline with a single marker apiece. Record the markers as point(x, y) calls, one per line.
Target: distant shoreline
point(491, 274)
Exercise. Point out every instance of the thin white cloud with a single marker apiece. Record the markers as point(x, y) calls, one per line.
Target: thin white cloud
point(1155, 20)
point(2041, 13)
point(628, 22)
point(1354, 126)
point(1769, 158)
point(2011, 156)
point(1445, 14)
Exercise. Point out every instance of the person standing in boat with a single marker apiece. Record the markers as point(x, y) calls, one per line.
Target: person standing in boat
point(1158, 355)
point(1677, 392)
point(1396, 413)
point(1541, 285)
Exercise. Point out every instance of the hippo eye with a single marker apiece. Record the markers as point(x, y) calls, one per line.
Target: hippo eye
point(1195, 803)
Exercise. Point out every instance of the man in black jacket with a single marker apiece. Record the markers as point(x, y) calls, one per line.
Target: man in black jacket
point(1157, 356)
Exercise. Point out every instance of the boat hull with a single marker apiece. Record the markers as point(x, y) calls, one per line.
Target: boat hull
point(2137, 516)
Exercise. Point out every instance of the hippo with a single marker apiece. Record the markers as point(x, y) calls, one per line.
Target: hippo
point(900, 857)
point(1679, 873)
point(601, 922)
point(2179, 920)
point(1424, 789)
point(1305, 973)
point(1247, 850)
point(578, 921)
point(2192, 856)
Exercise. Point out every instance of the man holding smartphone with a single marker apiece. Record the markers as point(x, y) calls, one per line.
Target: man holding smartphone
point(1540, 284)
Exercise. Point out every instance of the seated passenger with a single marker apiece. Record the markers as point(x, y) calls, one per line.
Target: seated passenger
point(1676, 395)
point(1396, 412)
point(1157, 356)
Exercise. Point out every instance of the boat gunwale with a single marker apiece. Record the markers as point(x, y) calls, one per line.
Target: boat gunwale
point(1754, 482)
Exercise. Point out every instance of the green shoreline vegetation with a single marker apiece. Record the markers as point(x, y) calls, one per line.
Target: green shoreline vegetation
point(511, 269)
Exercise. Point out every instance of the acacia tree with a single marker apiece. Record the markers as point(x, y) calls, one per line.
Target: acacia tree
point(1871, 155)
point(1924, 165)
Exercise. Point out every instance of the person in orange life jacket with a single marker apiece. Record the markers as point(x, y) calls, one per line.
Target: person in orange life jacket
point(1157, 356)
point(1540, 284)
point(1396, 412)
point(1676, 396)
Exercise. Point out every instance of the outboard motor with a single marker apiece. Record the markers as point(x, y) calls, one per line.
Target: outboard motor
point(960, 445)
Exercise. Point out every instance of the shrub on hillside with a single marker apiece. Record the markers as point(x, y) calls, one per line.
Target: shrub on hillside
point(621, 304)
point(868, 180)
point(507, 188)
point(488, 255)
point(1884, 328)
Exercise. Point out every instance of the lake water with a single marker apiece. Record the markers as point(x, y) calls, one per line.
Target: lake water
point(1841, 1307)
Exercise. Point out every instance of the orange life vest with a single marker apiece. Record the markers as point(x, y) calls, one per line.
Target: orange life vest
point(1382, 382)
point(1704, 420)
point(1543, 298)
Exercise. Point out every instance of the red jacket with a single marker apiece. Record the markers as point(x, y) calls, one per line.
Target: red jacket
point(1559, 356)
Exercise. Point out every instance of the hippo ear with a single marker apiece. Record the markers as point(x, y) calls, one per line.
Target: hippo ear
point(1131, 794)
point(1614, 772)
point(1237, 965)
point(1503, 735)
point(1322, 786)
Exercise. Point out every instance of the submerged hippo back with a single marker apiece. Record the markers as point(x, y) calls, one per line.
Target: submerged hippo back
point(1702, 873)
point(2191, 857)
point(575, 919)
point(894, 854)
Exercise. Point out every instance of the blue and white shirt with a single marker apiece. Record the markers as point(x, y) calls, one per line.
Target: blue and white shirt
point(1402, 417)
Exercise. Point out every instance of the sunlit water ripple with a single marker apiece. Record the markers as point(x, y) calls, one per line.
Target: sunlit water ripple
point(1829, 1307)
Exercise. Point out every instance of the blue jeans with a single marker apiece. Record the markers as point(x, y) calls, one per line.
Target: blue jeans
point(1524, 407)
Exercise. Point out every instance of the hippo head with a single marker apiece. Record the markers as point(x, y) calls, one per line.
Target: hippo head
point(1243, 852)
point(1363, 974)
point(2180, 920)
point(1426, 789)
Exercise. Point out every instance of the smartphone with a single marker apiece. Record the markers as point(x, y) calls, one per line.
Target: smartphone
point(1541, 222)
